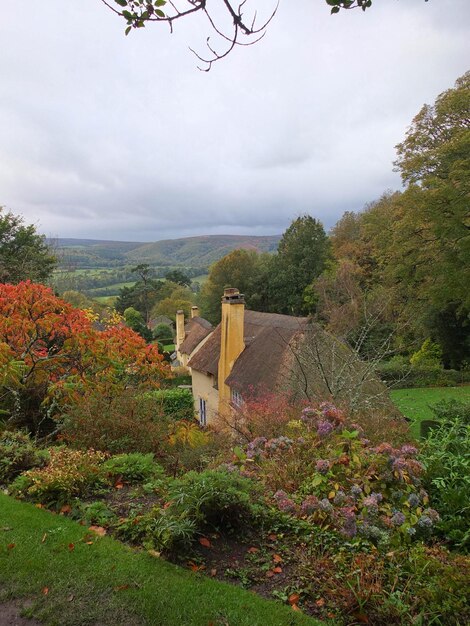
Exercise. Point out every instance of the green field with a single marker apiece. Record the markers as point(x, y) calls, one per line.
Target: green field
point(415, 403)
point(70, 576)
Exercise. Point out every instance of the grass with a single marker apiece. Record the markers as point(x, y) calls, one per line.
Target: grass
point(73, 577)
point(169, 347)
point(415, 403)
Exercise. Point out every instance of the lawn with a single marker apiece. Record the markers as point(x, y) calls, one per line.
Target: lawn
point(415, 403)
point(73, 577)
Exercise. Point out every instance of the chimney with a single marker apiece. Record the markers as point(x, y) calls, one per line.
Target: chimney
point(194, 311)
point(179, 328)
point(231, 342)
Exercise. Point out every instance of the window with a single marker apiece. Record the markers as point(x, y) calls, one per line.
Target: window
point(236, 398)
point(202, 412)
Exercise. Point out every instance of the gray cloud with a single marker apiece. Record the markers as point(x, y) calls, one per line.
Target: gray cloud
point(113, 137)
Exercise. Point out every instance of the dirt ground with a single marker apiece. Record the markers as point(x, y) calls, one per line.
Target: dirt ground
point(10, 615)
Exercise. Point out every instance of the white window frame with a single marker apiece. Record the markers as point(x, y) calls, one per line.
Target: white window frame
point(236, 398)
point(202, 412)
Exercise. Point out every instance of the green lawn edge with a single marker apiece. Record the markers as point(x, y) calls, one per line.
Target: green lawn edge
point(107, 582)
point(415, 402)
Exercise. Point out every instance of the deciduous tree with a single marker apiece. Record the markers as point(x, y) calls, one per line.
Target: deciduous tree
point(24, 254)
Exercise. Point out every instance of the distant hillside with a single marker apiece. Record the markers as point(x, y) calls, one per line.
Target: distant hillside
point(187, 252)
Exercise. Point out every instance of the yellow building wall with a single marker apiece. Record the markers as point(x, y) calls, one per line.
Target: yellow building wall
point(203, 387)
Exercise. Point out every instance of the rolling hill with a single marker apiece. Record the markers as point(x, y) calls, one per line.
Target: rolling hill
point(186, 252)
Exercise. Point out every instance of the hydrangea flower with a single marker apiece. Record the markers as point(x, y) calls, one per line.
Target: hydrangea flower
point(425, 521)
point(408, 450)
point(325, 506)
point(413, 500)
point(349, 528)
point(356, 491)
point(371, 503)
point(398, 518)
point(339, 498)
point(309, 505)
point(284, 503)
point(322, 466)
point(324, 428)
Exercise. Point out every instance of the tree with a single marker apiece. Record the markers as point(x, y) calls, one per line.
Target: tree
point(142, 295)
point(178, 277)
point(23, 253)
point(231, 22)
point(51, 356)
point(134, 319)
point(302, 255)
point(245, 269)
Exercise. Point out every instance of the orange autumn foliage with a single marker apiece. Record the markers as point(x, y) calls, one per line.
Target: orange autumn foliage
point(52, 354)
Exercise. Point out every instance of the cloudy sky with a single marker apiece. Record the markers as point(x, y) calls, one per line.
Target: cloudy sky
point(114, 137)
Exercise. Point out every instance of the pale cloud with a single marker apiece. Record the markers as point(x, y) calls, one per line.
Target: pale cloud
point(111, 137)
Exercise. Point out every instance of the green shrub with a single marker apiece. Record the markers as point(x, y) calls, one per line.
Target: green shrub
point(429, 354)
point(69, 474)
point(400, 374)
point(175, 404)
point(96, 513)
point(216, 498)
point(122, 422)
point(446, 457)
point(18, 453)
point(132, 467)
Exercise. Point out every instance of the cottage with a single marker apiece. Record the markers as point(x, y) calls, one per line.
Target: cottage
point(251, 352)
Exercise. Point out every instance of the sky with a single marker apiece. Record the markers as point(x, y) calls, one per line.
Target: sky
point(111, 137)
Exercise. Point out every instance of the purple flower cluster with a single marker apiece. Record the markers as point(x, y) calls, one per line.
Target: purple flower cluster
point(322, 466)
point(325, 506)
point(356, 492)
point(408, 450)
point(263, 447)
point(309, 505)
point(349, 528)
point(372, 503)
point(340, 498)
point(398, 518)
point(284, 503)
point(324, 428)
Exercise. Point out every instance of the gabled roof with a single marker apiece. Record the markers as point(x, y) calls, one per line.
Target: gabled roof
point(267, 337)
point(196, 329)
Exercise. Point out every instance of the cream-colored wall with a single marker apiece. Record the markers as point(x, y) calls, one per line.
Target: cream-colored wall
point(203, 387)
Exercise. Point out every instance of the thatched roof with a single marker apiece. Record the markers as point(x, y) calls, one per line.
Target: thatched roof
point(267, 337)
point(295, 355)
point(195, 330)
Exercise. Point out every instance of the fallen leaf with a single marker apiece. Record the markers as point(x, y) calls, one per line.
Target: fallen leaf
point(39, 505)
point(295, 607)
point(293, 598)
point(195, 568)
point(118, 485)
point(272, 537)
point(121, 587)
point(213, 572)
point(269, 574)
point(44, 537)
point(65, 509)
point(45, 590)
point(10, 546)
point(71, 547)
point(320, 602)
point(6, 528)
point(89, 543)
point(361, 617)
point(70, 598)
point(98, 530)
point(205, 542)
point(277, 570)
point(277, 558)
point(253, 550)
